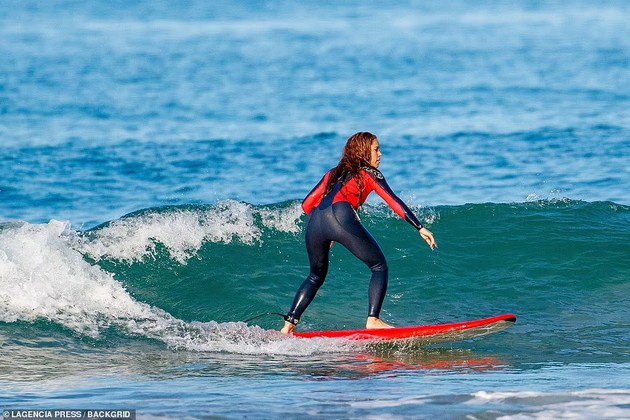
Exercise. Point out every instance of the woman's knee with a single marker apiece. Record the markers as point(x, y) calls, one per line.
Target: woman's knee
point(379, 265)
point(316, 278)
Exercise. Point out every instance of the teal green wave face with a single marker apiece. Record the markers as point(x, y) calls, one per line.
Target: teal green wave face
point(561, 266)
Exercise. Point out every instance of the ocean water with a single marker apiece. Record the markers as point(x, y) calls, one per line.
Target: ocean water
point(153, 156)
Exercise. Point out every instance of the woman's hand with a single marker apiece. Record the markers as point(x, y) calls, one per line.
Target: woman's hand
point(428, 237)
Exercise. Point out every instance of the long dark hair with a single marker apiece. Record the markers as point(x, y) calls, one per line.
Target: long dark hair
point(356, 154)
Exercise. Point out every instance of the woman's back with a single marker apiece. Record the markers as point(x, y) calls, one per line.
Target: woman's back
point(355, 190)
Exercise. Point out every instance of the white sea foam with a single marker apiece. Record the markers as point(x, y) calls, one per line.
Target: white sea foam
point(590, 403)
point(183, 232)
point(238, 337)
point(43, 277)
point(283, 220)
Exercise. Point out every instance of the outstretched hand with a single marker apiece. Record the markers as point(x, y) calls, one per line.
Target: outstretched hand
point(428, 238)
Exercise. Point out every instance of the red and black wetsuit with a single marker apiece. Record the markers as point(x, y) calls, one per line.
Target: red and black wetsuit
point(333, 217)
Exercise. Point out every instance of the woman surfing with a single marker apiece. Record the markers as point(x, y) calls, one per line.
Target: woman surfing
point(332, 206)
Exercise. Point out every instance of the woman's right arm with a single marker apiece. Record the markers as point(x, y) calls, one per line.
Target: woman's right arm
point(313, 198)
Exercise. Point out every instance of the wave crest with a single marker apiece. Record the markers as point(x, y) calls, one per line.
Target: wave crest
point(183, 231)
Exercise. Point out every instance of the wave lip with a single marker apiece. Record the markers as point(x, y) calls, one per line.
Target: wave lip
point(183, 231)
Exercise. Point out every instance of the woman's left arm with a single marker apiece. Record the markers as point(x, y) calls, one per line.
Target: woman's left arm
point(398, 206)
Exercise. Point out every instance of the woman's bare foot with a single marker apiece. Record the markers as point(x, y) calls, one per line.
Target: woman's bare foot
point(374, 323)
point(288, 328)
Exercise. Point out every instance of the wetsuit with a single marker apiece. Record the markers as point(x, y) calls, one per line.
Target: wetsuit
point(333, 218)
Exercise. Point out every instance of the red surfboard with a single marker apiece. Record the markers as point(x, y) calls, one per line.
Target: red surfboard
point(429, 333)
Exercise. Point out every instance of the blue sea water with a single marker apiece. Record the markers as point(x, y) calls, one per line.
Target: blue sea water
point(152, 159)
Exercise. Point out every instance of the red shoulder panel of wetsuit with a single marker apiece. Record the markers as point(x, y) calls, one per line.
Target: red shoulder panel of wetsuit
point(316, 195)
